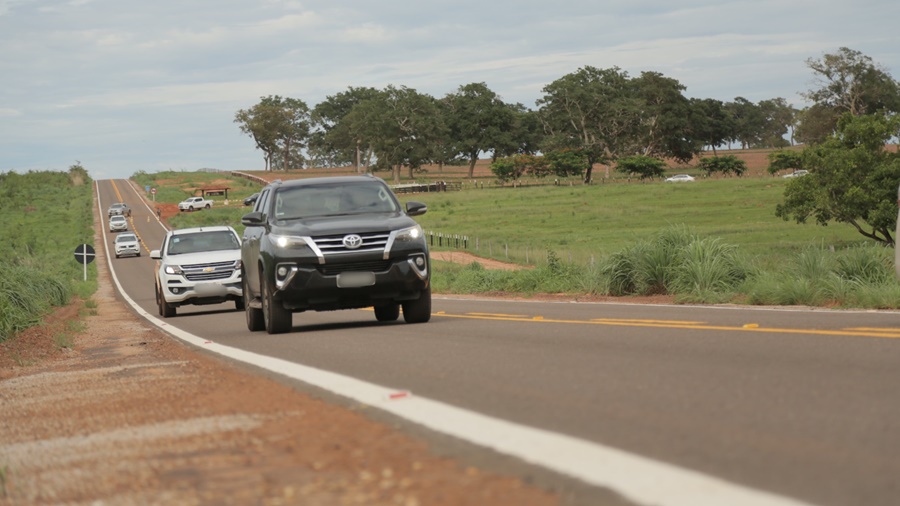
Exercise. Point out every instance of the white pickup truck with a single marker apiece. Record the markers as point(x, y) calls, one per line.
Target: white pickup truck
point(194, 203)
point(198, 266)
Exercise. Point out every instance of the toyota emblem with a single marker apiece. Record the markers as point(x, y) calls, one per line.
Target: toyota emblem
point(352, 241)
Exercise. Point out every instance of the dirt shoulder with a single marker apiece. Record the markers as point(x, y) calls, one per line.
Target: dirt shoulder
point(129, 415)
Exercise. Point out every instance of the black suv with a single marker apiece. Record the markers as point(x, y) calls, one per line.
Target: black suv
point(329, 243)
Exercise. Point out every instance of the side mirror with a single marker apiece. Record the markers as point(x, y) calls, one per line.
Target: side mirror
point(253, 219)
point(415, 208)
point(155, 254)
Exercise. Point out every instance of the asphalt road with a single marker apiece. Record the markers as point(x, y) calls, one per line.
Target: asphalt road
point(798, 403)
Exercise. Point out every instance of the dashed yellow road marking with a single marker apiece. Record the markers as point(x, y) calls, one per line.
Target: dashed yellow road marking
point(886, 333)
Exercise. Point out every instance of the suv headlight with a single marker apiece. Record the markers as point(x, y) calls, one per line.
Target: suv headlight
point(288, 241)
point(410, 234)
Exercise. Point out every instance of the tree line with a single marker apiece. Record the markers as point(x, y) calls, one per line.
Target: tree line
point(587, 117)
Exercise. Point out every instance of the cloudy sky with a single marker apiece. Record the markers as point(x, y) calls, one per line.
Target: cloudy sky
point(127, 85)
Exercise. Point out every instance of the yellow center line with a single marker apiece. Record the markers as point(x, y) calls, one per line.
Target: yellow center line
point(860, 332)
point(629, 320)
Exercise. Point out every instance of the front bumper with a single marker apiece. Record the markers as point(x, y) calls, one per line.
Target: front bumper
point(305, 287)
point(128, 250)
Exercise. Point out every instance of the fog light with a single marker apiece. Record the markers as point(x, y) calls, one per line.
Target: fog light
point(420, 261)
point(282, 271)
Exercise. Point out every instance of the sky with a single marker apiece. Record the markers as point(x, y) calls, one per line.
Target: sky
point(122, 86)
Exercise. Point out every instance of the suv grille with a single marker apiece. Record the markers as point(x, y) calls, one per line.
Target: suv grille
point(334, 244)
point(208, 272)
point(375, 266)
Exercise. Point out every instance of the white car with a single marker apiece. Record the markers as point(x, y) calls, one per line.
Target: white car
point(796, 173)
point(680, 178)
point(198, 266)
point(127, 244)
point(118, 223)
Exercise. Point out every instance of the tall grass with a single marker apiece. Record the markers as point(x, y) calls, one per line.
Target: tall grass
point(46, 216)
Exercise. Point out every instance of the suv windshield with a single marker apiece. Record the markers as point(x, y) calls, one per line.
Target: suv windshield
point(332, 200)
point(202, 241)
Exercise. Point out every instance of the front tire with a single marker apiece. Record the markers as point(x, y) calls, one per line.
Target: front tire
point(419, 310)
point(255, 320)
point(278, 319)
point(388, 312)
point(166, 310)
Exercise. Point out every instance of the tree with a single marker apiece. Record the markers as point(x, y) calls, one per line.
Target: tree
point(664, 119)
point(748, 122)
point(778, 118)
point(710, 122)
point(511, 168)
point(784, 160)
point(848, 82)
point(725, 164)
point(646, 167)
point(853, 179)
point(815, 124)
point(476, 120)
point(566, 162)
point(593, 110)
point(334, 140)
point(280, 127)
point(524, 136)
point(401, 125)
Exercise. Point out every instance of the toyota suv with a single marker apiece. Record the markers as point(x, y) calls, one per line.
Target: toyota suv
point(328, 243)
point(198, 266)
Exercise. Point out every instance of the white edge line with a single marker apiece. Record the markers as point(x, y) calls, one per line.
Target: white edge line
point(637, 478)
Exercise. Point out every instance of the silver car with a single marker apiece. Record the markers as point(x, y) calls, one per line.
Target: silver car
point(127, 244)
point(118, 223)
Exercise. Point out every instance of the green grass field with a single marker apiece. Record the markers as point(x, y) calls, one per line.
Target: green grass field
point(579, 238)
point(582, 222)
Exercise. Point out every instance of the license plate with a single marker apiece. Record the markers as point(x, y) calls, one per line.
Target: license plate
point(355, 279)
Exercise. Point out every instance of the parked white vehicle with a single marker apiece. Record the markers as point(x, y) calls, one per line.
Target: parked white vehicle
point(194, 203)
point(680, 178)
point(198, 266)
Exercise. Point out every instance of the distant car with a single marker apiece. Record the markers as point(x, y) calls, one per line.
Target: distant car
point(680, 178)
point(796, 173)
point(249, 201)
point(119, 208)
point(127, 244)
point(118, 223)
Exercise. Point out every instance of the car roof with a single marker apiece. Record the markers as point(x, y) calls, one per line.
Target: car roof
point(311, 181)
point(126, 235)
point(194, 230)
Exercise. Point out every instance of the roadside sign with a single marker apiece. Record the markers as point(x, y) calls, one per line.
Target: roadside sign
point(153, 191)
point(84, 254)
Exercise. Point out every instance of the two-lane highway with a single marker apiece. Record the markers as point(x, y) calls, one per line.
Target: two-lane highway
point(709, 405)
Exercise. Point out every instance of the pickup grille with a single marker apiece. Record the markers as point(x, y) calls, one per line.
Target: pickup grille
point(208, 272)
point(334, 244)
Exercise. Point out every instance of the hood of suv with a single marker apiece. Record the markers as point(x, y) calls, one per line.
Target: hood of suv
point(356, 223)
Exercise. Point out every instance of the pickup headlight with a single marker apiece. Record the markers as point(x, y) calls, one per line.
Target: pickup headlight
point(173, 270)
